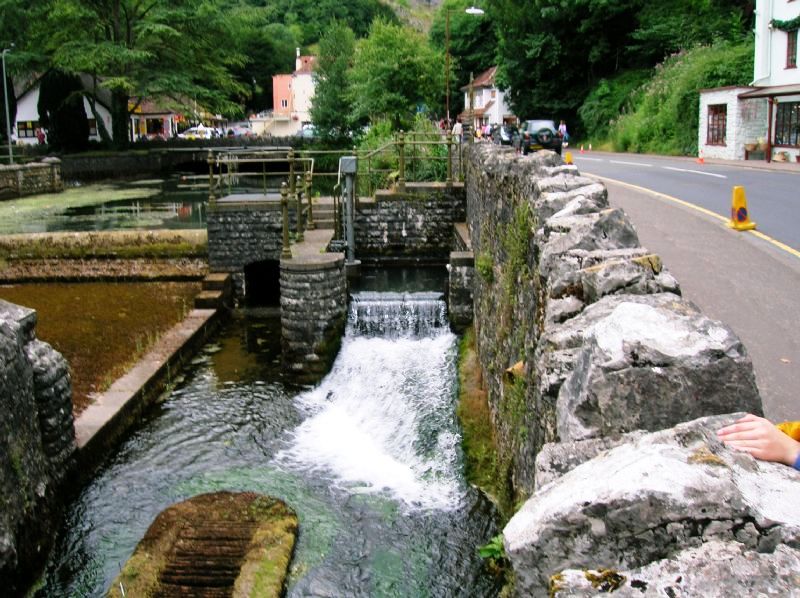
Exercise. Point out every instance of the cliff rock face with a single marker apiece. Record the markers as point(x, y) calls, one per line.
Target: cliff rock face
point(37, 442)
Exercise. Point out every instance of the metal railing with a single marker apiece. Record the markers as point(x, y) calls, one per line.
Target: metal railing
point(288, 175)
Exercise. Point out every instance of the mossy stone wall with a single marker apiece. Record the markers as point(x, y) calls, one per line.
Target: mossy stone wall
point(313, 312)
point(17, 180)
point(37, 443)
point(242, 232)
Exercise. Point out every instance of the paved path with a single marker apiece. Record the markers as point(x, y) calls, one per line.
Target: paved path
point(738, 278)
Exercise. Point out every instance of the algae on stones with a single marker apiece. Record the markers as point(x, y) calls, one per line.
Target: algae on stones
point(101, 329)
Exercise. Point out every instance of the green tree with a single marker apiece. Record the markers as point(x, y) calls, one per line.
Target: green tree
point(268, 48)
point(61, 111)
point(473, 45)
point(312, 17)
point(329, 111)
point(395, 72)
point(553, 52)
point(665, 118)
point(178, 50)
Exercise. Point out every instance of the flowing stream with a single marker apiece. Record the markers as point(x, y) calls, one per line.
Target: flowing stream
point(370, 459)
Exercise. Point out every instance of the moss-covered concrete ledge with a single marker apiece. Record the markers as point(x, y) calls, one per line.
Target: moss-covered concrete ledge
point(103, 423)
point(225, 543)
point(105, 255)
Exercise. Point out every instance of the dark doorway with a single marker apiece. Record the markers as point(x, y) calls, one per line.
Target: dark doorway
point(262, 284)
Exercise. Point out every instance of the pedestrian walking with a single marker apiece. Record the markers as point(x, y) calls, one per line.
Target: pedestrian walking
point(562, 132)
point(458, 130)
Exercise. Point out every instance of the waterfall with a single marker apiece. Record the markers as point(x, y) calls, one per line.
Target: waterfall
point(383, 420)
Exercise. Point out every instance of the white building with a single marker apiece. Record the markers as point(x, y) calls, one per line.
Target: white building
point(488, 102)
point(762, 120)
point(27, 120)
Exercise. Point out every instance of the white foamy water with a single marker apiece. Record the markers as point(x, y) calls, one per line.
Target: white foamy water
point(383, 420)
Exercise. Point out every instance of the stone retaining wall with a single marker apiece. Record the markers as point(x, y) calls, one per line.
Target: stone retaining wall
point(583, 337)
point(242, 233)
point(37, 444)
point(415, 224)
point(17, 180)
point(313, 312)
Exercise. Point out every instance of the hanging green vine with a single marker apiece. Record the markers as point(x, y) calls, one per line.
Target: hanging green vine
point(789, 25)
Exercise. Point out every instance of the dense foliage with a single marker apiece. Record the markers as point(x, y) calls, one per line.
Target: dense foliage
point(61, 111)
point(664, 119)
point(552, 53)
point(395, 74)
point(219, 55)
point(582, 60)
point(330, 114)
point(472, 44)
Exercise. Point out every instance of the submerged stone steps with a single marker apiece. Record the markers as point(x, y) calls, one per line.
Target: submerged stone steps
point(210, 546)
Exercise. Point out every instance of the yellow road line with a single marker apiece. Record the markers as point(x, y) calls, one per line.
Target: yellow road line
point(682, 202)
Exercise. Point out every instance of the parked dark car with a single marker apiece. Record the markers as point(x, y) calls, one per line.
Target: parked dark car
point(540, 134)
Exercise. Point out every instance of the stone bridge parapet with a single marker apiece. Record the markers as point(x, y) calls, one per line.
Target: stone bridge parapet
point(590, 355)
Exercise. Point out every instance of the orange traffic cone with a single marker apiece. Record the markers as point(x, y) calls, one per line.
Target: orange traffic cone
point(581, 148)
point(700, 159)
point(740, 217)
point(590, 147)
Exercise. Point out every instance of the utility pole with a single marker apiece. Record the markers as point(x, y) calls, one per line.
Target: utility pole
point(8, 116)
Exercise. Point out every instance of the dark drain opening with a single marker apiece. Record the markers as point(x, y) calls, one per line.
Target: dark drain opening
point(262, 285)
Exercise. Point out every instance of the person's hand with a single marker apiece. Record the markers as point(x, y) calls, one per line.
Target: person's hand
point(757, 436)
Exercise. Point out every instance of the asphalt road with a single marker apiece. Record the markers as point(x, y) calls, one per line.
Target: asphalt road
point(773, 198)
point(738, 278)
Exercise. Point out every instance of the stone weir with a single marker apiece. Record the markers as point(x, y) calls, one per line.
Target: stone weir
point(410, 226)
point(37, 445)
point(592, 362)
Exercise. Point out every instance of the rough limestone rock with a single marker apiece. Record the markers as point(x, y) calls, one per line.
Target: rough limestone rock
point(713, 570)
point(640, 276)
point(564, 276)
point(557, 458)
point(561, 343)
point(581, 278)
point(558, 196)
point(648, 500)
point(609, 229)
point(649, 366)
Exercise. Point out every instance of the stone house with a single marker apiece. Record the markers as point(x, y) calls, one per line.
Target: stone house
point(291, 100)
point(761, 120)
point(488, 102)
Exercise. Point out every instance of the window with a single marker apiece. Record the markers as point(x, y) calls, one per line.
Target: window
point(284, 103)
point(787, 124)
point(27, 128)
point(791, 49)
point(717, 120)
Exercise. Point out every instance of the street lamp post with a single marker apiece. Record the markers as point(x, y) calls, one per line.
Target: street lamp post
point(8, 116)
point(472, 10)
